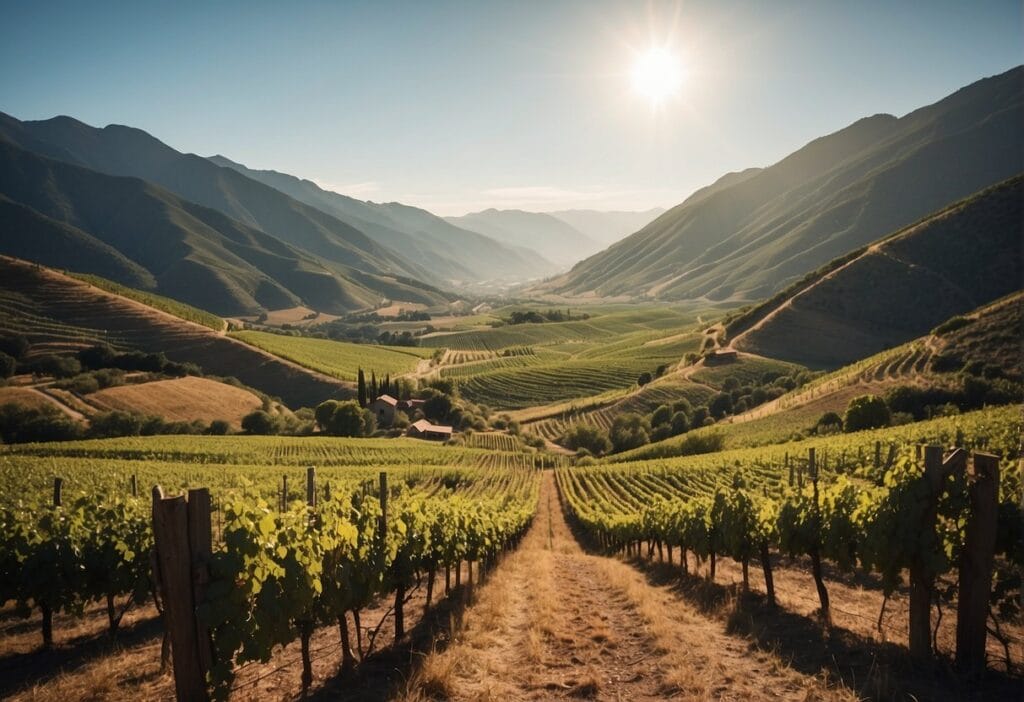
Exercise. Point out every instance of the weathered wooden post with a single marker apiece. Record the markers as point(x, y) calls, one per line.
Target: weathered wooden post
point(878, 455)
point(58, 492)
point(135, 485)
point(177, 530)
point(976, 562)
point(284, 493)
point(815, 554)
point(311, 486)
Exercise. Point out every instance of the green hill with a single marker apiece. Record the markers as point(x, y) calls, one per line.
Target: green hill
point(141, 235)
point(753, 233)
point(124, 151)
point(949, 263)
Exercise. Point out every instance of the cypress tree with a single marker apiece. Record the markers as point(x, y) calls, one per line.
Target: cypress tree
point(362, 388)
point(374, 393)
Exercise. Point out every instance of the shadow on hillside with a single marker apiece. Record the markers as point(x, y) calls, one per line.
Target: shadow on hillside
point(872, 669)
point(17, 670)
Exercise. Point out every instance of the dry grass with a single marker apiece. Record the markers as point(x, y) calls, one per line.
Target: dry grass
point(182, 399)
point(556, 623)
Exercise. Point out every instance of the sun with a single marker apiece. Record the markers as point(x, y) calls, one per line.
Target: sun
point(657, 75)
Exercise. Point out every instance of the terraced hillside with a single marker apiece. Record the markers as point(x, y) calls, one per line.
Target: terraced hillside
point(896, 289)
point(521, 366)
point(57, 312)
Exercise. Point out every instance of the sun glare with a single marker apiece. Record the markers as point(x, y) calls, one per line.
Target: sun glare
point(657, 75)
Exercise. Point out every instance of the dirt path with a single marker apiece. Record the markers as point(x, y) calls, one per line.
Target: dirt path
point(555, 622)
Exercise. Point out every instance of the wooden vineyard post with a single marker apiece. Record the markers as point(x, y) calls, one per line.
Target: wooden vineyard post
point(976, 563)
point(819, 580)
point(135, 485)
point(789, 467)
point(284, 493)
point(181, 531)
point(921, 577)
point(311, 486)
point(44, 607)
point(878, 455)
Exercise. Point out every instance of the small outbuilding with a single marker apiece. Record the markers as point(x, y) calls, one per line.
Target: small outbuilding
point(423, 429)
point(721, 356)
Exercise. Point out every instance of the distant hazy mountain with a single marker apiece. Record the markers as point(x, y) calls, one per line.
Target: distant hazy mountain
point(752, 233)
point(607, 227)
point(898, 289)
point(124, 151)
point(138, 233)
point(555, 239)
point(447, 251)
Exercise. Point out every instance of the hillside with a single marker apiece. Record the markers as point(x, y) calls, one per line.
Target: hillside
point(449, 252)
point(552, 238)
point(124, 151)
point(63, 215)
point(607, 227)
point(897, 289)
point(57, 312)
point(753, 233)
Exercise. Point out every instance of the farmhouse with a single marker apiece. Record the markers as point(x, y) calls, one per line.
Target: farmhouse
point(384, 408)
point(721, 356)
point(425, 430)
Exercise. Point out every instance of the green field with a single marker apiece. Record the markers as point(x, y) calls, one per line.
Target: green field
point(227, 462)
point(337, 358)
point(165, 304)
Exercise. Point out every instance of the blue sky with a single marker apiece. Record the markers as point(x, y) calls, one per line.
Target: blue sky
point(458, 106)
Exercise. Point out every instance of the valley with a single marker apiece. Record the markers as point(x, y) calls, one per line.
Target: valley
point(262, 439)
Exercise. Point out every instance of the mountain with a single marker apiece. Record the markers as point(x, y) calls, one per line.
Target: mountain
point(951, 262)
point(125, 151)
point(142, 235)
point(753, 233)
point(450, 253)
point(607, 227)
point(551, 237)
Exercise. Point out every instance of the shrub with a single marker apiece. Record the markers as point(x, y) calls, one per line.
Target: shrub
point(14, 345)
point(720, 405)
point(629, 431)
point(7, 365)
point(829, 422)
point(116, 423)
point(587, 437)
point(259, 422)
point(19, 424)
point(662, 415)
point(218, 427)
point(51, 364)
point(701, 443)
point(643, 379)
point(698, 416)
point(345, 418)
point(866, 412)
point(680, 423)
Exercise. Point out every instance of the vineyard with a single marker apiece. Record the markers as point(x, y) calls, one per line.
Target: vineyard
point(164, 304)
point(281, 560)
point(337, 358)
point(759, 512)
